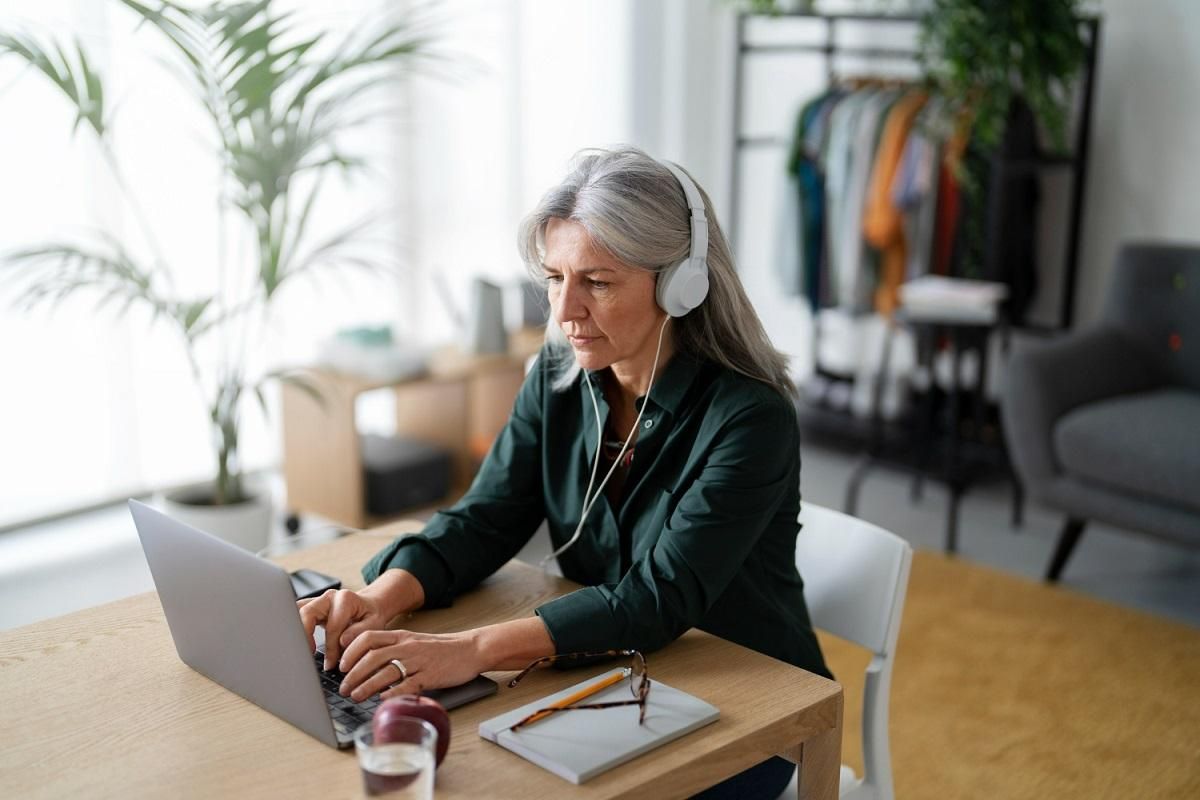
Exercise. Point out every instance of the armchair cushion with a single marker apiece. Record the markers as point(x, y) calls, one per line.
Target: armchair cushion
point(1142, 444)
point(1048, 379)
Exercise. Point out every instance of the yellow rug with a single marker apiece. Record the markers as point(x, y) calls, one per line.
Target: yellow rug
point(1008, 688)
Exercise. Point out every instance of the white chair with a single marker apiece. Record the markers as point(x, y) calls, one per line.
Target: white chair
point(855, 578)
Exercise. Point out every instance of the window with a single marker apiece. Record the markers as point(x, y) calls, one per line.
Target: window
point(96, 407)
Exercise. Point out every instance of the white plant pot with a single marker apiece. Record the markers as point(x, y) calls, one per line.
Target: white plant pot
point(246, 524)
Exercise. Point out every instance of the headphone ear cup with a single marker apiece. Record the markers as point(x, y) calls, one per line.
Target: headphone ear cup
point(696, 288)
point(662, 288)
point(682, 287)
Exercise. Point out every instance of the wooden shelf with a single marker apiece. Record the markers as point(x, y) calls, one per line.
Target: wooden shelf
point(460, 403)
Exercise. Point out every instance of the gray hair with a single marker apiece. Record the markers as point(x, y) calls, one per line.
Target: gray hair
point(634, 208)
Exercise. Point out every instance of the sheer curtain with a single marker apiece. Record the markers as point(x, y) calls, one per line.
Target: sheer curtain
point(94, 406)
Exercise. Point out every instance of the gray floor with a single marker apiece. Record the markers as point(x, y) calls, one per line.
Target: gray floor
point(63, 566)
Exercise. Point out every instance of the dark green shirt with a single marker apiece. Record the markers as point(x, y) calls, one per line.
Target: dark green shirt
point(707, 520)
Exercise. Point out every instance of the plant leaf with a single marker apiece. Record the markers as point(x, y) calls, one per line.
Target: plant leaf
point(76, 79)
point(336, 249)
point(298, 379)
point(262, 400)
point(49, 274)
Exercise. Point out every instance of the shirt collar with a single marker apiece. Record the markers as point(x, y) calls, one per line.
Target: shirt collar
point(670, 385)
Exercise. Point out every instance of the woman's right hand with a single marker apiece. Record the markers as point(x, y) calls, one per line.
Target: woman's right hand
point(344, 614)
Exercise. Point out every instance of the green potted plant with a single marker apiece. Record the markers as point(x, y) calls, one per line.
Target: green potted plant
point(278, 104)
point(980, 53)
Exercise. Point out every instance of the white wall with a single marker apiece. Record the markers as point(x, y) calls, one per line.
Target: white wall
point(531, 83)
point(1144, 178)
point(681, 88)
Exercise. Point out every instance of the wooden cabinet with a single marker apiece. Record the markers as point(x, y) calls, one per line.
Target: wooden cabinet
point(461, 403)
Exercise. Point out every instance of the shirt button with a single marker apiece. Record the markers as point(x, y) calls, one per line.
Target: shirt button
point(648, 424)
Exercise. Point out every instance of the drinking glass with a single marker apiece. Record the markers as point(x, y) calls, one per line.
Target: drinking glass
point(403, 767)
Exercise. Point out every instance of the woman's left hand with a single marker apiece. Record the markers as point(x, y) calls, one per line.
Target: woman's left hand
point(431, 661)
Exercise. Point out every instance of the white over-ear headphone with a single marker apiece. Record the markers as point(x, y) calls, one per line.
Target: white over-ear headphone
point(684, 286)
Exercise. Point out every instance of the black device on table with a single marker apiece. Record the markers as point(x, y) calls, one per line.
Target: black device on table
point(310, 583)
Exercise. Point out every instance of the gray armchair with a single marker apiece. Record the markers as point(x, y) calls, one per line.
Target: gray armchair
point(1104, 424)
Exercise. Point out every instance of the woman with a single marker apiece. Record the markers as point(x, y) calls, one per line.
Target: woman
point(663, 452)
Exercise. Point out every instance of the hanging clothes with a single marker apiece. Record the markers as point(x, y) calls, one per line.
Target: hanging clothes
point(800, 265)
point(1014, 200)
point(882, 220)
point(949, 203)
point(883, 187)
point(841, 125)
point(853, 266)
point(995, 239)
point(914, 190)
point(793, 253)
point(816, 139)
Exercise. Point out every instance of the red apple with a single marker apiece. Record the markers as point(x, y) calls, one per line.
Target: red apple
point(412, 705)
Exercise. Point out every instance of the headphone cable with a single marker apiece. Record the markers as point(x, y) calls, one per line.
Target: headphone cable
point(589, 499)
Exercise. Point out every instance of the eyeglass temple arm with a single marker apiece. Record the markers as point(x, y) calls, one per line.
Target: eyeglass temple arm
point(530, 668)
point(564, 657)
point(550, 710)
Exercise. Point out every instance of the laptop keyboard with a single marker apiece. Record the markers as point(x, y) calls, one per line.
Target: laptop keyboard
point(347, 715)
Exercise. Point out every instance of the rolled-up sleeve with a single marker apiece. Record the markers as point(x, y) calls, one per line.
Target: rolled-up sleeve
point(752, 463)
point(466, 543)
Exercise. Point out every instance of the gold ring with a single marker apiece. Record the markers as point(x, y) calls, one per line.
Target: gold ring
point(395, 662)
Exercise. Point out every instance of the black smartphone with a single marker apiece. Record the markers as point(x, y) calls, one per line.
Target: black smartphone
point(310, 583)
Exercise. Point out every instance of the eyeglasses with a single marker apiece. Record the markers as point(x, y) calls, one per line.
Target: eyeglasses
point(639, 684)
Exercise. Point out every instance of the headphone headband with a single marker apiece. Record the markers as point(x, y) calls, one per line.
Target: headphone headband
point(696, 205)
point(684, 286)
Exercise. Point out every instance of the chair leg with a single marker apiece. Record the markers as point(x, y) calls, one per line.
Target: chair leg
point(952, 520)
point(854, 485)
point(1071, 533)
point(1018, 503)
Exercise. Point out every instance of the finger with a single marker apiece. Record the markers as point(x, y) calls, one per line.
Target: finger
point(411, 686)
point(352, 632)
point(304, 620)
point(311, 615)
point(387, 679)
point(365, 657)
point(382, 680)
point(342, 612)
point(362, 646)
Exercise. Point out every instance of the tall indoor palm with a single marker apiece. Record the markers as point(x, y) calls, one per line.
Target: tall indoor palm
point(279, 104)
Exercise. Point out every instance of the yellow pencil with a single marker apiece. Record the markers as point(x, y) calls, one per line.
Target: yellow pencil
point(586, 691)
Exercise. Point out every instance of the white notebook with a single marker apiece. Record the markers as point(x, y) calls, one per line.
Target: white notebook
point(578, 745)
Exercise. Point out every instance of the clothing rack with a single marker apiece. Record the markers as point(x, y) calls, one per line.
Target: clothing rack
point(873, 431)
point(1076, 160)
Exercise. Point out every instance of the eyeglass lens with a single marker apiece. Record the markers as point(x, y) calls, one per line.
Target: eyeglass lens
point(637, 675)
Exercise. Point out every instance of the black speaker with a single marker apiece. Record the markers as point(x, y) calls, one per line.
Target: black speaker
point(403, 473)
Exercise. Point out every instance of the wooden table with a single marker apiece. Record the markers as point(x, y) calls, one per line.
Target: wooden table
point(97, 704)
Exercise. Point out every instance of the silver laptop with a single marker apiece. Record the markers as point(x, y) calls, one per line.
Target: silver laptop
point(234, 619)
